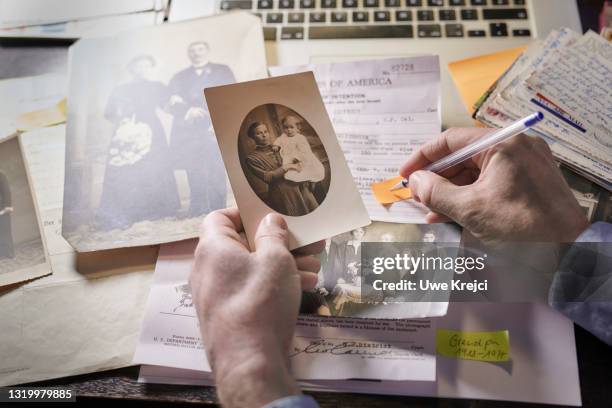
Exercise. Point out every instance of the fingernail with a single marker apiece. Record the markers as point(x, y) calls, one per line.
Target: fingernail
point(274, 219)
point(413, 182)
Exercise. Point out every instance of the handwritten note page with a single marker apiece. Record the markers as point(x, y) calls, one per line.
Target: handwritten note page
point(579, 80)
point(323, 348)
point(382, 110)
point(516, 95)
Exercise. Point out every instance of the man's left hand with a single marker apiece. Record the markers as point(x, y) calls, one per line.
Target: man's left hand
point(248, 303)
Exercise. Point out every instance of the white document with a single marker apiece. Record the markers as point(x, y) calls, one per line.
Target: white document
point(543, 367)
point(323, 348)
point(16, 13)
point(382, 110)
point(87, 315)
point(94, 27)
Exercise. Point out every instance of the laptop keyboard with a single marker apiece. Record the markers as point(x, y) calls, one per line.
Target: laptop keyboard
point(332, 19)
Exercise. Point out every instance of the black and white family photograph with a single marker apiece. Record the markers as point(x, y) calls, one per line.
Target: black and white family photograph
point(282, 155)
point(340, 283)
point(21, 246)
point(143, 165)
point(284, 160)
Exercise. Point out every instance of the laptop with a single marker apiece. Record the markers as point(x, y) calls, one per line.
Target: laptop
point(315, 31)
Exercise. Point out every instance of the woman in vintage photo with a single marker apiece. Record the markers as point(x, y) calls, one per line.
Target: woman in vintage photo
point(7, 249)
point(139, 182)
point(266, 163)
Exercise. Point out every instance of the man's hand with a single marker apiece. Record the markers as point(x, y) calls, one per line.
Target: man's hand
point(247, 303)
point(511, 192)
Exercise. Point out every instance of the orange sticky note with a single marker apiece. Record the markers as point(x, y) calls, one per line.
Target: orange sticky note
point(474, 76)
point(384, 195)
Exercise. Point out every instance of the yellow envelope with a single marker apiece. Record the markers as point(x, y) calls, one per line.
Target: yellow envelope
point(474, 76)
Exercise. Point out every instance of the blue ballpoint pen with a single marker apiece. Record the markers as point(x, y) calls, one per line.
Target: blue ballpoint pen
point(479, 146)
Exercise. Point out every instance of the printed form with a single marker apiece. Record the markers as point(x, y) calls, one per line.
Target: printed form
point(323, 348)
point(382, 111)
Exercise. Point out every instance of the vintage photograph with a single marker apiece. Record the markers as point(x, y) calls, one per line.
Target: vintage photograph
point(142, 164)
point(282, 155)
point(339, 287)
point(22, 253)
point(283, 160)
point(595, 201)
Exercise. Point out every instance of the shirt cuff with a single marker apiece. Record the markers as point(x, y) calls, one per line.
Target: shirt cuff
point(294, 401)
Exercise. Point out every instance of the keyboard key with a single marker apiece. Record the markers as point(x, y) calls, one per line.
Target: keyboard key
point(236, 4)
point(499, 29)
point(382, 16)
point(435, 3)
point(456, 2)
point(477, 33)
point(349, 3)
point(364, 31)
point(454, 30)
point(361, 16)
point(447, 15)
point(264, 4)
point(292, 33)
point(392, 3)
point(504, 14)
point(307, 4)
point(295, 17)
point(414, 3)
point(269, 33)
point(370, 3)
point(429, 31)
point(425, 15)
point(328, 3)
point(286, 4)
point(521, 32)
point(519, 2)
point(500, 2)
point(339, 17)
point(469, 14)
point(318, 17)
point(403, 15)
point(274, 18)
point(478, 2)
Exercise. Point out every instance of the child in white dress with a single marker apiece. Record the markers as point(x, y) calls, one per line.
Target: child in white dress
point(294, 148)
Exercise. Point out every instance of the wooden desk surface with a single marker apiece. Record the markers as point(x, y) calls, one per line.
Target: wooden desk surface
point(594, 359)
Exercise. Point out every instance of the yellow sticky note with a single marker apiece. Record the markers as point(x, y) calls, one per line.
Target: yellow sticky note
point(474, 76)
point(480, 346)
point(384, 195)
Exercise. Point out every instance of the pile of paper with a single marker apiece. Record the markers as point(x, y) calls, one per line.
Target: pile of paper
point(369, 355)
point(568, 77)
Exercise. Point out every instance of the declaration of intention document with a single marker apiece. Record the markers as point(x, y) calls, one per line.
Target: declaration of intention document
point(382, 110)
point(323, 348)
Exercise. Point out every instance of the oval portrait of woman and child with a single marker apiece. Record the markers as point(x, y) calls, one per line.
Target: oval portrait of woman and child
point(283, 160)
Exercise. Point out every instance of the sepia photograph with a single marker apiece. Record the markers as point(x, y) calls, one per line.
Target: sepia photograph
point(282, 155)
point(22, 252)
point(283, 160)
point(340, 281)
point(142, 162)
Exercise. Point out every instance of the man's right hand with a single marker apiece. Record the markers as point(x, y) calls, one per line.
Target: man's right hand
point(511, 192)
